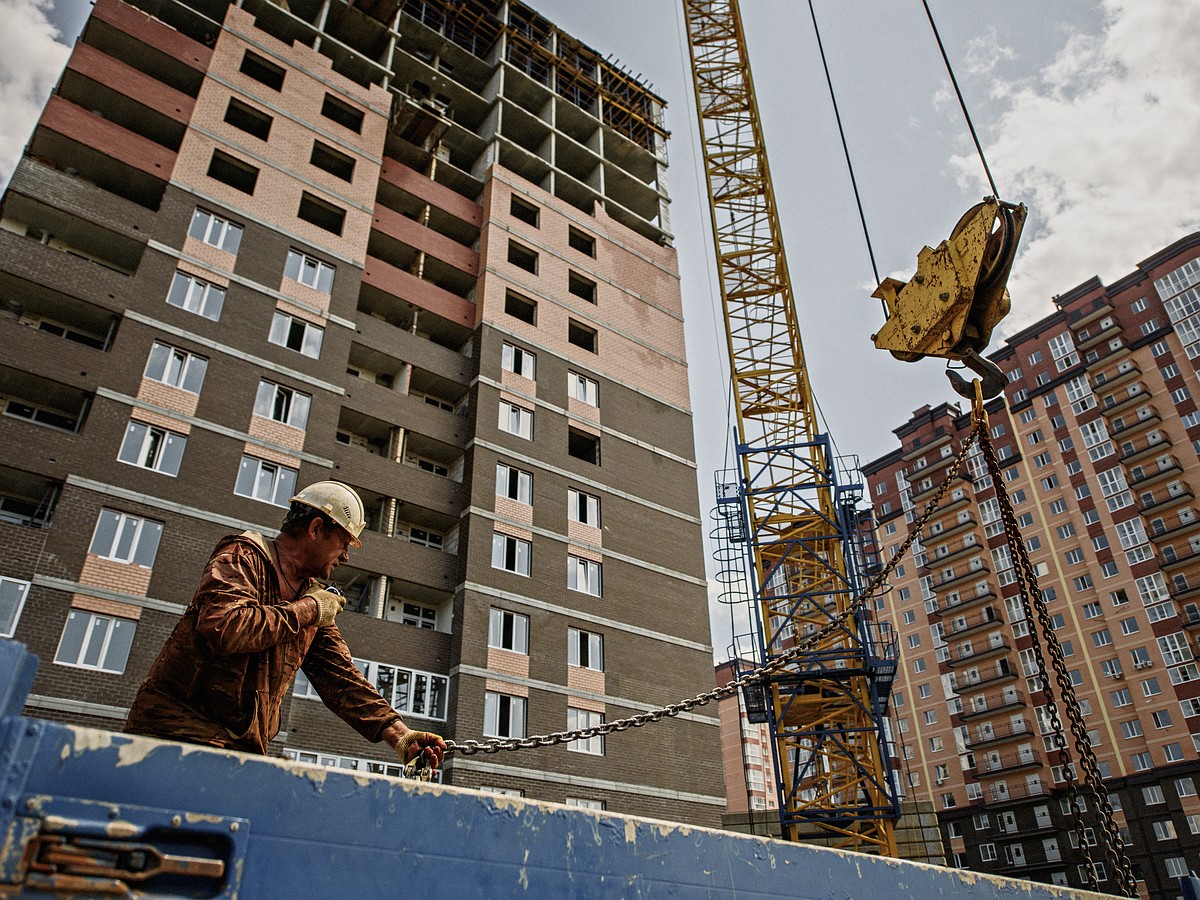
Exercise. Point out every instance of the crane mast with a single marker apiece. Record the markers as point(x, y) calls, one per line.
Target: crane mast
point(826, 708)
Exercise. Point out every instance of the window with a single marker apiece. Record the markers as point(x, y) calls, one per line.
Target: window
point(152, 448)
point(583, 575)
point(322, 213)
point(231, 171)
point(519, 361)
point(522, 257)
point(514, 483)
point(918, 666)
point(91, 641)
point(1176, 867)
point(582, 336)
point(296, 334)
point(215, 231)
point(583, 718)
point(584, 243)
point(309, 271)
point(1131, 729)
point(582, 445)
point(176, 367)
point(12, 601)
point(581, 287)
point(334, 162)
point(282, 404)
point(524, 211)
point(520, 307)
point(268, 482)
point(512, 554)
point(1173, 753)
point(190, 293)
point(583, 508)
point(1102, 638)
point(1162, 718)
point(248, 119)
point(508, 631)
point(418, 614)
point(1142, 761)
point(126, 539)
point(343, 113)
point(516, 420)
point(585, 649)
point(503, 715)
point(583, 389)
point(262, 71)
point(987, 852)
point(584, 804)
point(1185, 787)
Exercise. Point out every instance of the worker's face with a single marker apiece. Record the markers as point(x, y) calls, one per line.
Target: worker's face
point(329, 548)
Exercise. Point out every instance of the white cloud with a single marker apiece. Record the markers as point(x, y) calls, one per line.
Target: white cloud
point(31, 58)
point(729, 620)
point(1101, 146)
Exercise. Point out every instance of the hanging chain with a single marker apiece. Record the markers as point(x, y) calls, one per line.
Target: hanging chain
point(1033, 603)
point(803, 646)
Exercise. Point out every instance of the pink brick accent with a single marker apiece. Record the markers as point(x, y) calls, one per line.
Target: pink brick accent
point(444, 198)
point(128, 578)
point(414, 234)
point(512, 531)
point(103, 69)
point(576, 550)
point(304, 294)
point(506, 687)
point(274, 456)
point(587, 534)
point(106, 607)
point(637, 304)
point(172, 398)
point(511, 509)
point(153, 418)
point(215, 257)
point(515, 382)
point(202, 273)
point(517, 400)
point(419, 292)
point(586, 427)
point(93, 131)
point(276, 432)
point(153, 32)
point(583, 410)
point(300, 312)
point(507, 662)
point(583, 703)
point(581, 679)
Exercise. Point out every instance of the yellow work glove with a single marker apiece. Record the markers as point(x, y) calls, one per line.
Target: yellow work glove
point(329, 605)
point(414, 744)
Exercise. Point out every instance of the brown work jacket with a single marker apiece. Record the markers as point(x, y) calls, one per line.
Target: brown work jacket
point(222, 675)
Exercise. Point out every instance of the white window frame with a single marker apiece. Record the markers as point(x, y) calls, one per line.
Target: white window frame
point(194, 295)
point(584, 575)
point(508, 630)
point(309, 271)
point(585, 649)
point(134, 540)
point(153, 448)
point(507, 707)
point(510, 480)
point(97, 650)
point(584, 389)
point(583, 508)
point(285, 328)
point(511, 554)
point(519, 361)
point(175, 367)
point(265, 481)
point(585, 718)
point(282, 404)
point(13, 592)
point(215, 231)
point(516, 420)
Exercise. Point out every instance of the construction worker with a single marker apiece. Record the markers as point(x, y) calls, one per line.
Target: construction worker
point(259, 614)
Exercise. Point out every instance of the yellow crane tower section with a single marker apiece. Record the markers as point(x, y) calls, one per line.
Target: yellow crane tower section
point(830, 755)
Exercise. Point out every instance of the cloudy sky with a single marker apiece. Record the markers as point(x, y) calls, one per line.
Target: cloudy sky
point(1088, 110)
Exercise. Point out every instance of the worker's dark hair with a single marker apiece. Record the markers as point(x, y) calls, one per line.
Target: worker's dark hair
point(298, 517)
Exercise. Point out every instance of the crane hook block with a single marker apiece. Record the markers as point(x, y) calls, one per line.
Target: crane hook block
point(958, 294)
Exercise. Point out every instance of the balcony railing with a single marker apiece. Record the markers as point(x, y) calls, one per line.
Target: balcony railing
point(1006, 731)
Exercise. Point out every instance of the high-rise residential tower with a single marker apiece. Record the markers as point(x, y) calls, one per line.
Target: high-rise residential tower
point(1098, 437)
point(419, 247)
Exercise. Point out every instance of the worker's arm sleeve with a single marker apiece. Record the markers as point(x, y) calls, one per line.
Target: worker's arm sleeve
point(232, 613)
point(343, 688)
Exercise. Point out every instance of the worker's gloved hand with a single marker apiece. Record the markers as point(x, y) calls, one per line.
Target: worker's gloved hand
point(413, 744)
point(329, 604)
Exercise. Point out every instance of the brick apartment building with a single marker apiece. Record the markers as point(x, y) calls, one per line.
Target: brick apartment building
point(1098, 435)
point(746, 755)
point(421, 247)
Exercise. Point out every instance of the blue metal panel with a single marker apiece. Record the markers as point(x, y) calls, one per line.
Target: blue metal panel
point(298, 831)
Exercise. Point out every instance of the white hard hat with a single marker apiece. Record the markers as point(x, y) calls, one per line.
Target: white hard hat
point(339, 502)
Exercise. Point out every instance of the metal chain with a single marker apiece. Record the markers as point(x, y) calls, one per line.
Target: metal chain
point(495, 745)
point(1033, 604)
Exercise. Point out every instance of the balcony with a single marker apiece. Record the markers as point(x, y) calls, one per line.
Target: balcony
point(1000, 672)
point(1086, 339)
point(1100, 308)
point(1189, 616)
point(1169, 563)
point(1171, 500)
point(957, 553)
point(986, 735)
point(1179, 530)
point(968, 653)
point(1123, 429)
point(949, 531)
point(963, 625)
point(1165, 469)
point(920, 495)
point(1163, 443)
point(1120, 404)
point(948, 607)
point(990, 706)
point(994, 764)
point(1119, 377)
point(1002, 793)
point(963, 577)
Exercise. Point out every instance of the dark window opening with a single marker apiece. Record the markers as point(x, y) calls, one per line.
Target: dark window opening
point(521, 308)
point(320, 213)
point(581, 287)
point(233, 172)
point(522, 257)
point(248, 119)
point(263, 71)
point(581, 336)
point(333, 162)
point(584, 243)
point(582, 445)
point(526, 212)
point(342, 113)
